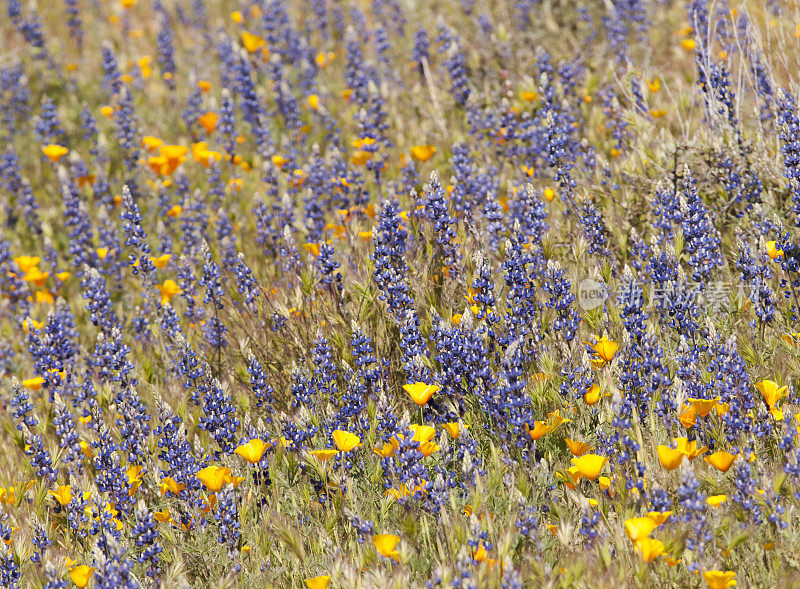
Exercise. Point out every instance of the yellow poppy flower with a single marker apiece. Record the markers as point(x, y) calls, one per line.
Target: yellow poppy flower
point(86, 449)
point(572, 477)
point(688, 417)
point(422, 433)
point(555, 419)
point(25, 263)
point(214, 477)
point(345, 441)
point(649, 549)
point(385, 451)
point(772, 250)
point(63, 495)
point(208, 121)
point(605, 349)
point(31, 323)
point(428, 448)
point(253, 450)
point(689, 449)
point(422, 153)
point(386, 545)
point(168, 290)
point(529, 95)
point(590, 465)
point(720, 579)
point(420, 392)
point(721, 460)
point(637, 528)
point(361, 157)
point(540, 429)
point(716, 500)
point(161, 261)
point(54, 152)
point(134, 477)
point(151, 143)
point(770, 391)
point(688, 44)
point(144, 66)
point(452, 429)
point(36, 276)
point(577, 448)
point(593, 395)
point(175, 211)
point(670, 458)
point(320, 582)
point(81, 574)
point(34, 383)
point(326, 454)
point(312, 248)
point(659, 517)
point(252, 42)
point(703, 406)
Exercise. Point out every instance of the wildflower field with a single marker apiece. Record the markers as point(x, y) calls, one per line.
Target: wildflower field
point(399, 293)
